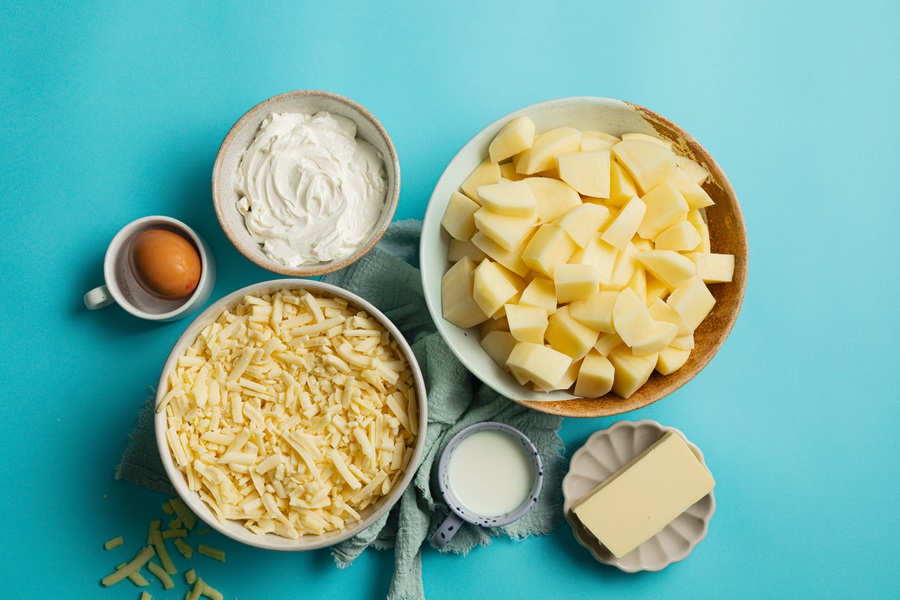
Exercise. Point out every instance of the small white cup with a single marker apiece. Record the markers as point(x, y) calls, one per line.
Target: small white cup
point(122, 288)
point(459, 512)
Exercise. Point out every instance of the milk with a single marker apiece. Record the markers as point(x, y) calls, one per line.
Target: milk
point(490, 473)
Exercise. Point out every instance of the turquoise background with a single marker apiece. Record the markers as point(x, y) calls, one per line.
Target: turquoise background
point(113, 111)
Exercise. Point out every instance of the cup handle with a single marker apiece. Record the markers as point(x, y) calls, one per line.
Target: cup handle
point(98, 298)
point(447, 530)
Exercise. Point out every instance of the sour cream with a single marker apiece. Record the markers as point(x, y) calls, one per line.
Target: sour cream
point(310, 191)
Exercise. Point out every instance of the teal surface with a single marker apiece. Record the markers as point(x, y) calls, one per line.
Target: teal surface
point(113, 111)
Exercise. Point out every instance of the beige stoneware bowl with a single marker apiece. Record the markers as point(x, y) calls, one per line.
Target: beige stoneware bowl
point(241, 135)
point(726, 228)
point(234, 529)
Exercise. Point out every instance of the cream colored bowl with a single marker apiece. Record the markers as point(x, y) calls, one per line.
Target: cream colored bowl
point(241, 135)
point(726, 227)
point(236, 530)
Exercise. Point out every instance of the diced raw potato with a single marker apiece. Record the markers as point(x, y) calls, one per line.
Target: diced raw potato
point(595, 144)
point(514, 137)
point(542, 154)
point(498, 345)
point(697, 173)
point(647, 138)
point(518, 281)
point(587, 172)
point(457, 303)
point(596, 376)
point(554, 197)
point(660, 311)
point(599, 254)
point(713, 268)
point(681, 237)
point(696, 218)
point(510, 260)
point(459, 217)
point(683, 342)
point(671, 359)
point(498, 324)
point(527, 323)
point(484, 174)
point(692, 300)
point(656, 289)
point(513, 199)
point(549, 246)
point(623, 271)
point(567, 380)
point(541, 293)
point(507, 232)
point(582, 222)
point(620, 231)
point(606, 342)
point(568, 336)
point(575, 282)
point(595, 312)
point(599, 135)
point(695, 195)
point(538, 363)
point(668, 266)
point(491, 289)
point(459, 248)
point(638, 282)
point(631, 371)
point(662, 336)
point(621, 186)
point(508, 172)
point(665, 207)
point(632, 318)
point(648, 164)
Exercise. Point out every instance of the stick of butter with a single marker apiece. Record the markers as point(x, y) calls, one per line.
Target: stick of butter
point(645, 495)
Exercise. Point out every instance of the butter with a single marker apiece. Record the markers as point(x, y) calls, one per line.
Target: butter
point(645, 495)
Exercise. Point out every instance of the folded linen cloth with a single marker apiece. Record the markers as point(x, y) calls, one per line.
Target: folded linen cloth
point(388, 277)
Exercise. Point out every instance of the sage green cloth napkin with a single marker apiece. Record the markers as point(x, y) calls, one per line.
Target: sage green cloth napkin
point(388, 277)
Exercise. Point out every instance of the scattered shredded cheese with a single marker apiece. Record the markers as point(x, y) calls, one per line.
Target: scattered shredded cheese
point(114, 543)
point(211, 552)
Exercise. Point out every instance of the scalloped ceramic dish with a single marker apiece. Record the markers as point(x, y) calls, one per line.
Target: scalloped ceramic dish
point(727, 233)
point(604, 453)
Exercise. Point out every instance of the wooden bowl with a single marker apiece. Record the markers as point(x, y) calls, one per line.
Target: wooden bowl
point(242, 134)
point(727, 234)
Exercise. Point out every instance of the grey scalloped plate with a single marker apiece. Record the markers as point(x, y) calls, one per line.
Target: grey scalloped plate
point(604, 453)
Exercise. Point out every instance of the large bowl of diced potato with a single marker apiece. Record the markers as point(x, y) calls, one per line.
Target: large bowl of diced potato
point(584, 256)
point(291, 415)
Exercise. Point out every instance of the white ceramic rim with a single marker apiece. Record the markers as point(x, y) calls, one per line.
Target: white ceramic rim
point(591, 543)
point(117, 246)
point(478, 363)
point(235, 530)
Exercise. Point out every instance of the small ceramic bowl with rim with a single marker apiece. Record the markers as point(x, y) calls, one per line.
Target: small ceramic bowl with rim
point(726, 230)
point(235, 529)
point(225, 177)
point(605, 452)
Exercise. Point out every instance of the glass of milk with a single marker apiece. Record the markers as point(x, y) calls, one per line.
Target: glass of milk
point(490, 474)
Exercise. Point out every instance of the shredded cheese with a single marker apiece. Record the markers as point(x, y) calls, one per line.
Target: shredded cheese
point(291, 415)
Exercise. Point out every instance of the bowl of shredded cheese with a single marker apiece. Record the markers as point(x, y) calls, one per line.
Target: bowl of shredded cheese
point(305, 183)
point(291, 414)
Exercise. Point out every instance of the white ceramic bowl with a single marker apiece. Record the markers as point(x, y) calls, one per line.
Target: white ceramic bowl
point(236, 530)
point(241, 135)
point(605, 452)
point(727, 235)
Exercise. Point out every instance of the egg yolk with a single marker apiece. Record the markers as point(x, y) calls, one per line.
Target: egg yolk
point(165, 264)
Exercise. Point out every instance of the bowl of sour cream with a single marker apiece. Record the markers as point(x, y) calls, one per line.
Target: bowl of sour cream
point(305, 183)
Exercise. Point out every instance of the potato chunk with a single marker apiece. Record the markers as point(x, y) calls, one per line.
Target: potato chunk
point(513, 138)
